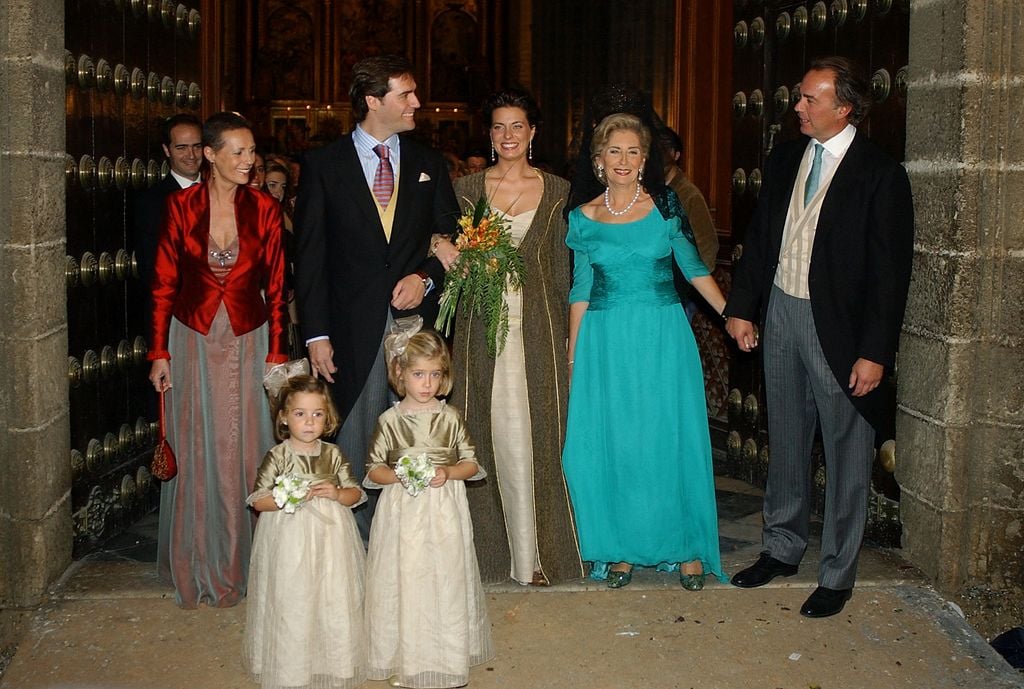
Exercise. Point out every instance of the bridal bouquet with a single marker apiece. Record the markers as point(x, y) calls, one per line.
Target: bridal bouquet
point(487, 264)
point(289, 492)
point(414, 473)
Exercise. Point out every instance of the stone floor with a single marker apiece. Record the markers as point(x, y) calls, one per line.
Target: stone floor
point(109, 623)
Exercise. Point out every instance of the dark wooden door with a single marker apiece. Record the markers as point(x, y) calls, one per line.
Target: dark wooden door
point(129, 64)
point(773, 42)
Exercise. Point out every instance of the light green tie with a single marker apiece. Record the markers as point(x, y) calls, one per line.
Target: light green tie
point(814, 178)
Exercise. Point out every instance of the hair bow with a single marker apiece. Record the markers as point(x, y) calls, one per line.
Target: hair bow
point(399, 333)
point(278, 376)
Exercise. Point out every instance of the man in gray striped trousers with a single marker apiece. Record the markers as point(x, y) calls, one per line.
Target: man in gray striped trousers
point(825, 268)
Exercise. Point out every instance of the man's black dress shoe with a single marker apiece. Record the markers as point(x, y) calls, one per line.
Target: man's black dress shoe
point(825, 602)
point(761, 572)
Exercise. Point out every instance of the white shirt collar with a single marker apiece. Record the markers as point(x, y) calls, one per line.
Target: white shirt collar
point(184, 182)
point(838, 144)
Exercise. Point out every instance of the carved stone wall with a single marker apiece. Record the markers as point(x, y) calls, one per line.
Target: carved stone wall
point(960, 426)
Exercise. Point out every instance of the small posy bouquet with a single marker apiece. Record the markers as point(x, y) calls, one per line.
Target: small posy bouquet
point(290, 491)
point(487, 264)
point(414, 473)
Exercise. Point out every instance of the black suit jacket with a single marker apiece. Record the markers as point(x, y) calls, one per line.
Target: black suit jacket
point(860, 260)
point(345, 269)
point(148, 216)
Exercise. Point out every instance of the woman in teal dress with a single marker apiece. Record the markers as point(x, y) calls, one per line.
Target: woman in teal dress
point(637, 455)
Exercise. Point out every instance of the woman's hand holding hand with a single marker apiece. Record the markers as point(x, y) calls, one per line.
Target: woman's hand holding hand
point(446, 252)
point(160, 375)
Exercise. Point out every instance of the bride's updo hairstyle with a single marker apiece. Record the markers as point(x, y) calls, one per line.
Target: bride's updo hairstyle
point(616, 122)
point(512, 98)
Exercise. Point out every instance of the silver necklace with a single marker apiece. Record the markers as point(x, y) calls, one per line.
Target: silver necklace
point(608, 205)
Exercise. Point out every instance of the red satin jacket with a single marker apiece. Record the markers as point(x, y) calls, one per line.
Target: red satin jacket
point(185, 287)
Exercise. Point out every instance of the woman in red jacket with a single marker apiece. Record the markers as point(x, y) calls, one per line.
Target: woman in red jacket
point(219, 308)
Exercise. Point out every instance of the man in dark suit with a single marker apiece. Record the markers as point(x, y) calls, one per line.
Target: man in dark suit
point(182, 140)
point(366, 211)
point(826, 268)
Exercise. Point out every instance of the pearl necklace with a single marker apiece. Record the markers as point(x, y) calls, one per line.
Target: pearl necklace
point(608, 205)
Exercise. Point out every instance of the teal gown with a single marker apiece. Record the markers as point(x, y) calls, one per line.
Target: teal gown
point(637, 454)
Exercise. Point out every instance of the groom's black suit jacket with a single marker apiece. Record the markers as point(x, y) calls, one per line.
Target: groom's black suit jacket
point(860, 259)
point(345, 269)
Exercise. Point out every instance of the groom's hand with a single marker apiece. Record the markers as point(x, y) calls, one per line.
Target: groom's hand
point(321, 356)
point(408, 293)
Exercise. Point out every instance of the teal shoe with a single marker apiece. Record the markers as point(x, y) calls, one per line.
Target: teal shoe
point(618, 580)
point(692, 582)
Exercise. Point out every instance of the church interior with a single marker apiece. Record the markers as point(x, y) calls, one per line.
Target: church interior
point(87, 82)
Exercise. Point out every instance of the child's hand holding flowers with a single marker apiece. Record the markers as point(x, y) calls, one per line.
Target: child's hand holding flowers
point(289, 492)
point(416, 473)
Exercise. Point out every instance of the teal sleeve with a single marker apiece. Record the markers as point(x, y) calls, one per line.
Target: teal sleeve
point(686, 255)
point(582, 271)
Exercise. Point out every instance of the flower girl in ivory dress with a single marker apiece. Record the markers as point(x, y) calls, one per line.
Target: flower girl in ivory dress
point(304, 623)
point(426, 616)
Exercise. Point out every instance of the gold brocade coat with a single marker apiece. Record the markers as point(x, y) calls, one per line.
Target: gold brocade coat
point(545, 329)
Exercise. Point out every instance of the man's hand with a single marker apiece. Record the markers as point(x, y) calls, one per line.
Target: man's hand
point(321, 356)
point(865, 377)
point(744, 332)
point(408, 293)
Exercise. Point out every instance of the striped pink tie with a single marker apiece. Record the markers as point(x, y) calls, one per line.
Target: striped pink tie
point(384, 180)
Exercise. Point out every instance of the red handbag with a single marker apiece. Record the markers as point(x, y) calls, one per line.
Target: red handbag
point(164, 465)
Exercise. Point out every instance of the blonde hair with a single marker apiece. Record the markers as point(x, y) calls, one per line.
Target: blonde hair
point(425, 344)
point(615, 122)
point(309, 384)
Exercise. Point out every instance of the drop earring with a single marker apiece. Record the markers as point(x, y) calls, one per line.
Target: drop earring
point(529, 151)
point(600, 174)
point(494, 154)
point(640, 176)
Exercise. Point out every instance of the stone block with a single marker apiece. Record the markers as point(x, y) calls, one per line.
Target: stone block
point(936, 128)
point(944, 294)
point(40, 460)
point(36, 28)
point(945, 207)
point(35, 554)
point(931, 540)
point(33, 93)
point(936, 38)
point(34, 296)
point(994, 552)
point(932, 462)
point(999, 396)
point(997, 459)
point(34, 207)
point(40, 380)
point(1001, 217)
point(935, 377)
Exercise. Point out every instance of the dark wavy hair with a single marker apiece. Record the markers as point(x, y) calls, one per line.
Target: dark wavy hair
point(370, 77)
point(512, 98)
point(177, 120)
point(851, 84)
point(216, 124)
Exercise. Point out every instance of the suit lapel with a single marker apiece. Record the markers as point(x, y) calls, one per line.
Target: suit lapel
point(847, 175)
point(783, 189)
point(409, 170)
point(349, 172)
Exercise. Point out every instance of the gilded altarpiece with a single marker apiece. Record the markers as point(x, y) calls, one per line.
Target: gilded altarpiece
point(299, 58)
